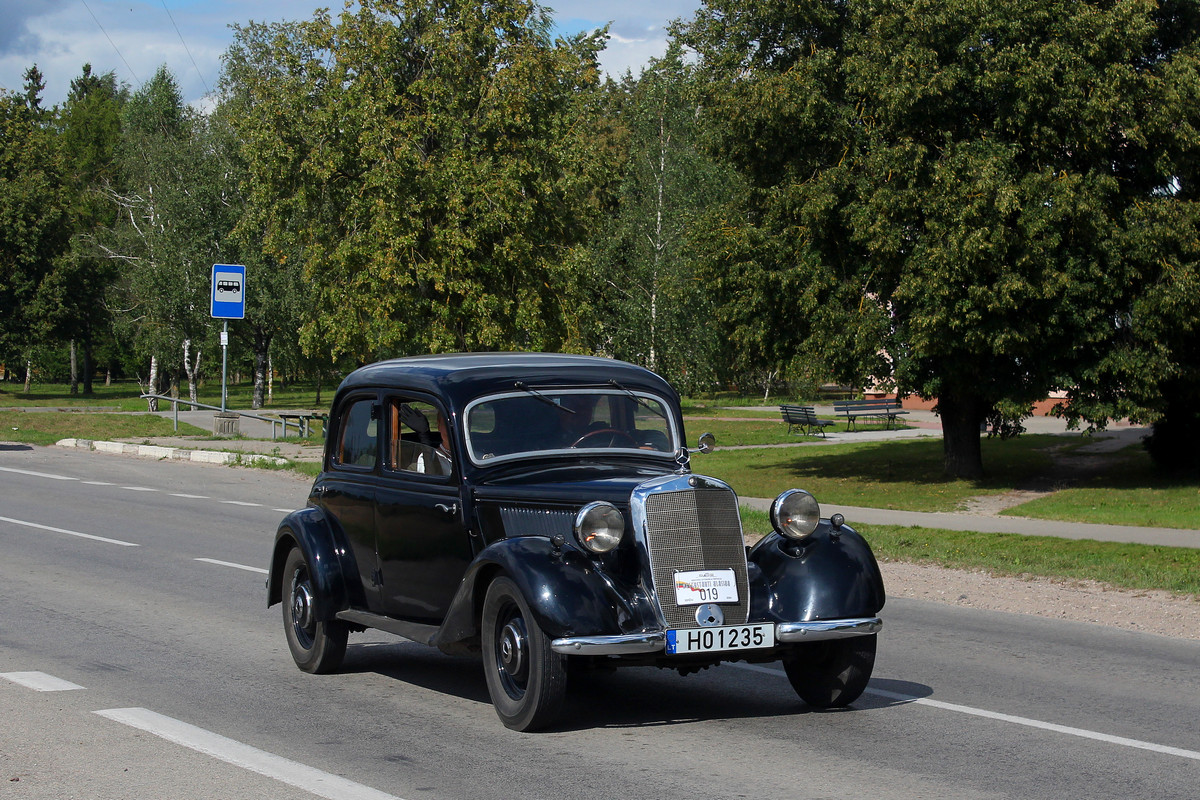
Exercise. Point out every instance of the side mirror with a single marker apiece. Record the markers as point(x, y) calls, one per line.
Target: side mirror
point(708, 443)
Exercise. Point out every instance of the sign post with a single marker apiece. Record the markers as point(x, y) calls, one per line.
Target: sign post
point(228, 301)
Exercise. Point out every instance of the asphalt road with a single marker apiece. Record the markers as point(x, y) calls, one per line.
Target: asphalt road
point(140, 583)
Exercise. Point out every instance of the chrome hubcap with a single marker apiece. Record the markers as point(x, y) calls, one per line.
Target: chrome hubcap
point(302, 606)
point(512, 649)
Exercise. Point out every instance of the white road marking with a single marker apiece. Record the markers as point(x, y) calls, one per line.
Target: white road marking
point(139, 489)
point(284, 510)
point(189, 496)
point(38, 474)
point(231, 564)
point(40, 681)
point(1014, 720)
point(241, 503)
point(69, 533)
point(301, 776)
point(98, 483)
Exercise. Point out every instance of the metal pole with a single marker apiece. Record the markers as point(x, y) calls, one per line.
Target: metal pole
point(224, 361)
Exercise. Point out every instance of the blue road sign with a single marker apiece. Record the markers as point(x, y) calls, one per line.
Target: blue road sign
point(228, 291)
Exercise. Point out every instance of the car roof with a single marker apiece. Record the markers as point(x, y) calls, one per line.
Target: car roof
point(462, 377)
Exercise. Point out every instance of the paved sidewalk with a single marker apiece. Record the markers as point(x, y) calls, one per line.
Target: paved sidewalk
point(924, 424)
point(1171, 537)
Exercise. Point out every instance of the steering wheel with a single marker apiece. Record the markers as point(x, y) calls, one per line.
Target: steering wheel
point(612, 432)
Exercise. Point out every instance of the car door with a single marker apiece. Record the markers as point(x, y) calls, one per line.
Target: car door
point(422, 544)
point(348, 485)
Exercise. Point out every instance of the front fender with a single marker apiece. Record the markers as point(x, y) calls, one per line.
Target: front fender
point(831, 575)
point(569, 594)
point(313, 532)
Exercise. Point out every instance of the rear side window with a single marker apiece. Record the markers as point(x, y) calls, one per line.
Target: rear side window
point(358, 441)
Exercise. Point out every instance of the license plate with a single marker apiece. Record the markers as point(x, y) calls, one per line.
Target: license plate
point(729, 637)
point(705, 586)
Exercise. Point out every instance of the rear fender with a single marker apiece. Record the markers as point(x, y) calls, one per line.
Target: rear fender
point(828, 576)
point(569, 594)
point(327, 557)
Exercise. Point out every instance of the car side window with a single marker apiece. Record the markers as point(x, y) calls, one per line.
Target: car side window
point(420, 438)
point(358, 442)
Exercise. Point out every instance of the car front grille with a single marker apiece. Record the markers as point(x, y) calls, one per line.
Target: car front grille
point(691, 529)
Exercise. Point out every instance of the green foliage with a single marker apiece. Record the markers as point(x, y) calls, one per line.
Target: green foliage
point(939, 192)
point(420, 158)
point(48, 427)
point(650, 308)
point(34, 220)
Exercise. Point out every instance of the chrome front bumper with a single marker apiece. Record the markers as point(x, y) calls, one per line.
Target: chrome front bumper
point(656, 641)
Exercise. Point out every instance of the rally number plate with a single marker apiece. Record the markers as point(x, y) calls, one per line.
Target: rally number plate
point(729, 637)
point(705, 586)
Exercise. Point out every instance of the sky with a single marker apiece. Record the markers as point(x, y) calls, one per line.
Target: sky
point(134, 37)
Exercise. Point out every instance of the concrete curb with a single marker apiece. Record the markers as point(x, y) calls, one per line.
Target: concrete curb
point(172, 453)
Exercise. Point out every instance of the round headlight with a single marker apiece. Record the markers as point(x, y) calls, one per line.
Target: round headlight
point(795, 513)
point(599, 527)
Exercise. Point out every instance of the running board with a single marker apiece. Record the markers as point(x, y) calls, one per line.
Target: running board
point(422, 634)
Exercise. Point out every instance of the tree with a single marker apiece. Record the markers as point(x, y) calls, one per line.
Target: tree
point(34, 223)
point(651, 309)
point(421, 160)
point(74, 295)
point(176, 209)
point(939, 190)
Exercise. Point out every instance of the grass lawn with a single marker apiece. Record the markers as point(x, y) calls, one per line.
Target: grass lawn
point(904, 475)
point(126, 396)
point(1130, 492)
point(1126, 566)
point(47, 427)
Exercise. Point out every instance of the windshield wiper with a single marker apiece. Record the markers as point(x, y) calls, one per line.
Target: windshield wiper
point(641, 401)
point(525, 388)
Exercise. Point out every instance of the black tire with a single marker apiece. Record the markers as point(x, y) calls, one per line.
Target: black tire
point(316, 646)
point(525, 678)
point(831, 674)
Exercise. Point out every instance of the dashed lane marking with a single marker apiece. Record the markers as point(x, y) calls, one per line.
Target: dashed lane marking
point(231, 564)
point(293, 773)
point(1082, 733)
point(69, 533)
point(40, 681)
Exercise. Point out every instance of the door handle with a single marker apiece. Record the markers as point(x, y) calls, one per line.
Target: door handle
point(447, 509)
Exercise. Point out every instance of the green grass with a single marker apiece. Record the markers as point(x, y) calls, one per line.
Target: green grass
point(1124, 566)
point(126, 396)
point(903, 475)
point(1130, 492)
point(47, 427)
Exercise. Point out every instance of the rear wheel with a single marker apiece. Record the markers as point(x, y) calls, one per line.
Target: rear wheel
point(831, 674)
point(317, 646)
point(525, 678)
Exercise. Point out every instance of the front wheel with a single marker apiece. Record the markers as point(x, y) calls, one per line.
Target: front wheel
point(317, 646)
point(525, 678)
point(831, 674)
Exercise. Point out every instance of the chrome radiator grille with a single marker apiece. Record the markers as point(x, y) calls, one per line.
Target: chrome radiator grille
point(695, 529)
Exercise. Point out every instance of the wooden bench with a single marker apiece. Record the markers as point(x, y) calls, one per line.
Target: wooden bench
point(886, 410)
point(804, 418)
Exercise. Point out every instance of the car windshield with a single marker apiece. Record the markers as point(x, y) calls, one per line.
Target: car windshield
point(537, 421)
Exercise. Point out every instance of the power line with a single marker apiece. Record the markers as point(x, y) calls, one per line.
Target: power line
point(185, 47)
point(114, 44)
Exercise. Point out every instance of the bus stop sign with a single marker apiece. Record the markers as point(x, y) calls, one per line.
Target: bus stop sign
point(228, 291)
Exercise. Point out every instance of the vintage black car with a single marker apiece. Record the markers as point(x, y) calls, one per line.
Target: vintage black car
point(539, 509)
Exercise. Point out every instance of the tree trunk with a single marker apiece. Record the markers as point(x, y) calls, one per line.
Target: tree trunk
point(262, 344)
point(28, 374)
point(152, 384)
point(74, 370)
point(961, 417)
point(191, 368)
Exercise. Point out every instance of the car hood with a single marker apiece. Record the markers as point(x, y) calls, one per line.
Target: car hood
point(567, 485)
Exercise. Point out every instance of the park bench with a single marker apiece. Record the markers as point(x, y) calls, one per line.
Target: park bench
point(804, 418)
point(886, 410)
